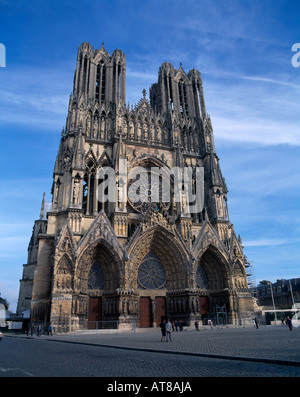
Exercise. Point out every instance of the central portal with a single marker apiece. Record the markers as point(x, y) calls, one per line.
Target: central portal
point(147, 308)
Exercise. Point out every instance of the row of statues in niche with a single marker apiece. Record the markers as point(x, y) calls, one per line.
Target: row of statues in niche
point(141, 131)
point(101, 128)
point(178, 305)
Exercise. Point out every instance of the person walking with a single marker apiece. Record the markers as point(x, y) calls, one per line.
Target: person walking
point(197, 325)
point(163, 330)
point(50, 329)
point(289, 323)
point(169, 331)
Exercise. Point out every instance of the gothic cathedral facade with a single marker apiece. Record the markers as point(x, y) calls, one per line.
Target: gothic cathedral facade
point(93, 262)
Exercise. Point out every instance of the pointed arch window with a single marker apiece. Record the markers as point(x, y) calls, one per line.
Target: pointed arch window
point(88, 198)
point(151, 273)
point(100, 82)
point(201, 278)
point(96, 278)
point(183, 104)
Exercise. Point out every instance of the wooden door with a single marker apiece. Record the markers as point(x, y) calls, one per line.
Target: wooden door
point(95, 313)
point(145, 312)
point(160, 309)
point(203, 305)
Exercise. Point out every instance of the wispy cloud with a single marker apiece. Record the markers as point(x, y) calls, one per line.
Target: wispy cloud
point(256, 130)
point(38, 96)
point(269, 242)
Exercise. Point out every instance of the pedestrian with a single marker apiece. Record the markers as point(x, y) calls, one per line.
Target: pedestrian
point(173, 326)
point(256, 322)
point(50, 329)
point(169, 330)
point(28, 329)
point(39, 330)
point(163, 330)
point(197, 325)
point(180, 325)
point(176, 325)
point(289, 323)
point(210, 323)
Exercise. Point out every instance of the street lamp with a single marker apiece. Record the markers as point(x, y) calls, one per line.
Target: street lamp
point(270, 284)
point(292, 294)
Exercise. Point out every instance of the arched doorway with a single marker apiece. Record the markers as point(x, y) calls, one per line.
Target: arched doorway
point(98, 279)
point(151, 280)
point(159, 264)
point(202, 282)
point(95, 283)
point(212, 280)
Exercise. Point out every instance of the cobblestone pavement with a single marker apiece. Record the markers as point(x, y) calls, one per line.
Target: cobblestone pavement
point(142, 354)
point(270, 343)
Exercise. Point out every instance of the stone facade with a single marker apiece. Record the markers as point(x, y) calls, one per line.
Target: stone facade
point(120, 261)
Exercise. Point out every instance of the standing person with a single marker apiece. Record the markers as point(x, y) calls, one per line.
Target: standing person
point(176, 325)
point(197, 325)
point(173, 326)
point(210, 323)
point(289, 323)
point(180, 325)
point(163, 330)
point(50, 329)
point(39, 330)
point(256, 322)
point(169, 330)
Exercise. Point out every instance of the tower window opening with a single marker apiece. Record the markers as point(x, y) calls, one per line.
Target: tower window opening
point(97, 83)
point(185, 100)
point(181, 105)
point(198, 97)
point(103, 84)
point(100, 82)
point(84, 74)
point(171, 92)
point(119, 81)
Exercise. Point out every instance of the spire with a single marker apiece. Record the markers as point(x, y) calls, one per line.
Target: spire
point(58, 157)
point(42, 207)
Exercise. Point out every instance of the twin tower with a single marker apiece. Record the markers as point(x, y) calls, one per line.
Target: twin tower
point(117, 263)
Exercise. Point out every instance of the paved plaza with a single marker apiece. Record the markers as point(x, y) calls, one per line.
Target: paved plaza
point(270, 351)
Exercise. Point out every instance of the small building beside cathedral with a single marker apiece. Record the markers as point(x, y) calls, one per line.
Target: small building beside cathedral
point(111, 249)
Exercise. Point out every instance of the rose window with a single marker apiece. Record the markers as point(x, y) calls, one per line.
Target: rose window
point(151, 273)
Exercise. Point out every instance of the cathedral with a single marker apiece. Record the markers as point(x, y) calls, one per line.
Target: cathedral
point(110, 250)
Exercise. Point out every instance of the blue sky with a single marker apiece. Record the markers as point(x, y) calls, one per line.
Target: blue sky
point(243, 50)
